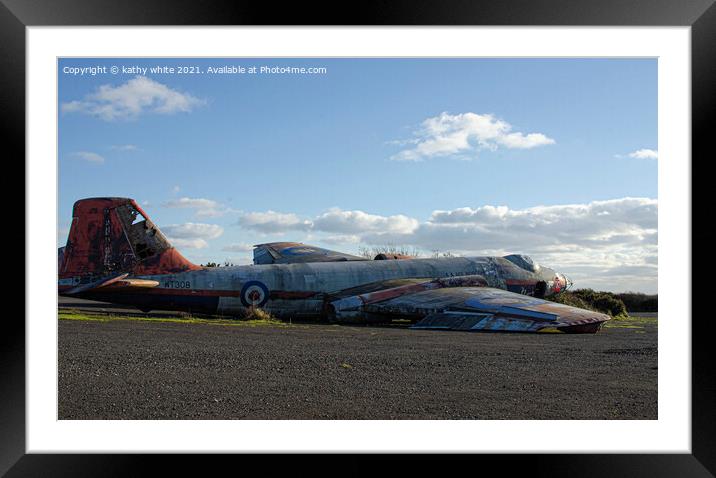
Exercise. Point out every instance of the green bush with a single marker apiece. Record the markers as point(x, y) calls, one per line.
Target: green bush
point(604, 302)
point(638, 302)
point(567, 298)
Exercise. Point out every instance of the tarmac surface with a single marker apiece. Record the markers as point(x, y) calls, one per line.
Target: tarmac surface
point(153, 369)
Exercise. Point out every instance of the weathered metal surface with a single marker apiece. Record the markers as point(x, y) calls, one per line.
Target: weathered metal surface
point(500, 310)
point(356, 305)
point(471, 322)
point(296, 253)
point(115, 253)
point(384, 256)
point(99, 283)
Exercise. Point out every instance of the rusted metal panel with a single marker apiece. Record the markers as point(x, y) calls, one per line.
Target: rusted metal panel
point(114, 234)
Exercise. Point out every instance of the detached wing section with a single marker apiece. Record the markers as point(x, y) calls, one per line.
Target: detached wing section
point(450, 306)
point(500, 310)
point(296, 252)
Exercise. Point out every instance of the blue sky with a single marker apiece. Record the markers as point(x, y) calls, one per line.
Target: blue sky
point(532, 154)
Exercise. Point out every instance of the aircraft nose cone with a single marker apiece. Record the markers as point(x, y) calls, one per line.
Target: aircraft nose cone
point(567, 282)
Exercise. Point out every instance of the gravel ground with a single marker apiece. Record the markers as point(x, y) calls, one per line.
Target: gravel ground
point(130, 369)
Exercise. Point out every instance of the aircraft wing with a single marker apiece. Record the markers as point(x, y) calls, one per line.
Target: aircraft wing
point(460, 303)
point(117, 282)
point(296, 252)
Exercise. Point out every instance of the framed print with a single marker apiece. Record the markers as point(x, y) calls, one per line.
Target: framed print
point(423, 229)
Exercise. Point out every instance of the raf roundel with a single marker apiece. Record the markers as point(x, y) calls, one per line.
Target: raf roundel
point(254, 294)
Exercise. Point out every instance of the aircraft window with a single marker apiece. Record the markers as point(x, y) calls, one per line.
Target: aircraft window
point(524, 262)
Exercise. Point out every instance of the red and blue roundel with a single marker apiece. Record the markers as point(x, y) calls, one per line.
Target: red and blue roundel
point(254, 294)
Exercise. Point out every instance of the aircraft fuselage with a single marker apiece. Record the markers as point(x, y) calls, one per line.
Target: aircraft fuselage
point(303, 289)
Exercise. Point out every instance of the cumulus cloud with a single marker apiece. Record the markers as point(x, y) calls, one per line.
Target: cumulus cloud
point(596, 224)
point(352, 222)
point(189, 243)
point(605, 244)
point(341, 239)
point(465, 133)
point(273, 222)
point(644, 154)
point(192, 235)
point(611, 245)
point(335, 220)
point(88, 156)
point(238, 247)
point(202, 207)
point(185, 202)
point(129, 100)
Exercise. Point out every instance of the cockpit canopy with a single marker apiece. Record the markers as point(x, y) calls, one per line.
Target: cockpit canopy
point(524, 262)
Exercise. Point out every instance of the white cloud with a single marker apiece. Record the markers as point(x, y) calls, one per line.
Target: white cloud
point(88, 156)
point(644, 154)
point(192, 230)
point(239, 260)
point(272, 222)
point(189, 243)
point(335, 220)
point(352, 222)
point(463, 133)
point(341, 239)
point(238, 247)
point(604, 244)
point(124, 147)
point(596, 224)
point(202, 207)
point(131, 99)
point(611, 245)
point(185, 202)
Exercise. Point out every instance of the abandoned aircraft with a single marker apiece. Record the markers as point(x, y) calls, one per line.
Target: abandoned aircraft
point(116, 254)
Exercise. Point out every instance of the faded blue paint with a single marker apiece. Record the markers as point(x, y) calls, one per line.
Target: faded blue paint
point(509, 325)
point(493, 301)
point(532, 314)
point(302, 250)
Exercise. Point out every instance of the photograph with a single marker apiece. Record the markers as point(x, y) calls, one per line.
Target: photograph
point(357, 238)
point(459, 228)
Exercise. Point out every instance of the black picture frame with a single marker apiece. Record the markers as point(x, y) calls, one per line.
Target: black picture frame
point(700, 15)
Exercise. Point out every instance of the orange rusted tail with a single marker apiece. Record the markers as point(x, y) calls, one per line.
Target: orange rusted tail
point(114, 235)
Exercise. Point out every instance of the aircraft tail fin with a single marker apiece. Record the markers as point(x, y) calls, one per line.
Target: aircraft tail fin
point(110, 236)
